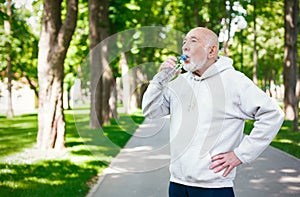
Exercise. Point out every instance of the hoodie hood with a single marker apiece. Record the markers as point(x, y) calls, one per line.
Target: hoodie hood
point(222, 64)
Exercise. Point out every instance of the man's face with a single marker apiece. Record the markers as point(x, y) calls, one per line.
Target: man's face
point(196, 49)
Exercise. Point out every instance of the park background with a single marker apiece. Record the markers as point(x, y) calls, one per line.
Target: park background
point(50, 84)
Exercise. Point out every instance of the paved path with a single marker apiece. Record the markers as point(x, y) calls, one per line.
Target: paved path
point(141, 169)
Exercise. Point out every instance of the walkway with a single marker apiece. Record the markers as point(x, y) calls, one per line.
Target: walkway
point(141, 169)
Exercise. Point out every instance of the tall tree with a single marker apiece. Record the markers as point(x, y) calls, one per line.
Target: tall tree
point(18, 48)
point(55, 38)
point(101, 77)
point(77, 53)
point(7, 28)
point(254, 44)
point(291, 15)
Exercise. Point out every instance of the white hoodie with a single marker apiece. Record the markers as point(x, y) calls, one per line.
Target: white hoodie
point(207, 116)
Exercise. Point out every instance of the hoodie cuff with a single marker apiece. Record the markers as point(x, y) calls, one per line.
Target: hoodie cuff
point(240, 156)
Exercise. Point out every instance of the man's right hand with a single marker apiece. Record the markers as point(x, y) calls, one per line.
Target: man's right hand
point(167, 71)
point(169, 63)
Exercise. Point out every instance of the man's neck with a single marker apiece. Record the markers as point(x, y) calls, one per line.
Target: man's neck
point(200, 72)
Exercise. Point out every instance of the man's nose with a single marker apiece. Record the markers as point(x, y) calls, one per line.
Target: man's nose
point(185, 47)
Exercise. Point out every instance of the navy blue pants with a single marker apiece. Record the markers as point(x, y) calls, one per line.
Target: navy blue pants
point(178, 190)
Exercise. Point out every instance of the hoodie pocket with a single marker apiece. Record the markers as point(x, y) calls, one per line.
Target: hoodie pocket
point(197, 168)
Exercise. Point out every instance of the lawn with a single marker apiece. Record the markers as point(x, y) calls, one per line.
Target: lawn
point(286, 140)
point(65, 173)
point(17, 133)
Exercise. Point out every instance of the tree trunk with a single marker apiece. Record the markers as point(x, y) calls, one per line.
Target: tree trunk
point(53, 44)
point(255, 53)
point(68, 98)
point(141, 86)
point(197, 5)
point(290, 60)
point(134, 91)
point(107, 83)
point(7, 27)
point(113, 101)
point(101, 77)
point(126, 83)
point(226, 43)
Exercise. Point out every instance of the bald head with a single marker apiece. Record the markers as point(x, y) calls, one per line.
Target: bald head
point(208, 37)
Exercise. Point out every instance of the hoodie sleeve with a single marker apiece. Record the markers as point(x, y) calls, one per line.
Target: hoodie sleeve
point(156, 102)
point(267, 115)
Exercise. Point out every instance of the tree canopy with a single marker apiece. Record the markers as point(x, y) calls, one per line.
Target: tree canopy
point(257, 48)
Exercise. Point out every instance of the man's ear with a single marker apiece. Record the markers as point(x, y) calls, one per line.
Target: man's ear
point(213, 51)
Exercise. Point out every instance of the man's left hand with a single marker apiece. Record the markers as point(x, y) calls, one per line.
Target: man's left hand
point(225, 160)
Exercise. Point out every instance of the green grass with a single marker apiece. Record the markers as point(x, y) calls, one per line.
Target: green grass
point(286, 140)
point(69, 175)
point(17, 133)
point(46, 178)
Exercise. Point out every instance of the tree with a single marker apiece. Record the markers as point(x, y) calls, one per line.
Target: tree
point(7, 28)
point(69, 81)
point(291, 15)
point(55, 38)
point(254, 44)
point(264, 41)
point(78, 50)
point(101, 77)
point(21, 45)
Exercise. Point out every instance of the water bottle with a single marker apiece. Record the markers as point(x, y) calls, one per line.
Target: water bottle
point(180, 61)
point(167, 75)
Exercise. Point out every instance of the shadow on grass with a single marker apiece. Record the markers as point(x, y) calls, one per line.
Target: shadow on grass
point(286, 140)
point(47, 178)
point(101, 143)
point(60, 177)
point(17, 133)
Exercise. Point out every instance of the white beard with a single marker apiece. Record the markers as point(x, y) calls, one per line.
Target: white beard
point(192, 67)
